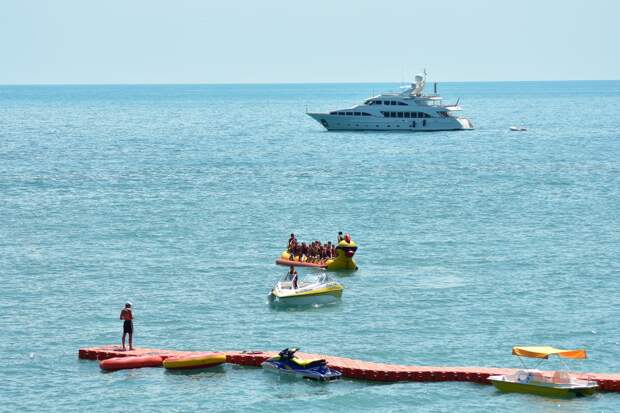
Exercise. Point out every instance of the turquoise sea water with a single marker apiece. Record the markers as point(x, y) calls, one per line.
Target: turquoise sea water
point(180, 198)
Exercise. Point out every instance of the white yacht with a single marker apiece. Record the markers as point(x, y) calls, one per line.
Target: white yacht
point(408, 110)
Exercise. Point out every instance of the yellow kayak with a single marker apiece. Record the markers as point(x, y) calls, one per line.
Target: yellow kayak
point(200, 361)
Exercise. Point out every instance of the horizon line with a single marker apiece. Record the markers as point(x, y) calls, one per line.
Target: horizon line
point(290, 83)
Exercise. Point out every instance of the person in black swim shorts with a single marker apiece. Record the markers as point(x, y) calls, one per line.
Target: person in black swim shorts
point(127, 317)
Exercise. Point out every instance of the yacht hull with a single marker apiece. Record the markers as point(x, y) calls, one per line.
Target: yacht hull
point(365, 123)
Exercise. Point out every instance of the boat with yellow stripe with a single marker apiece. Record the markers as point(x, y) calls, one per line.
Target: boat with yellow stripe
point(316, 288)
point(552, 384)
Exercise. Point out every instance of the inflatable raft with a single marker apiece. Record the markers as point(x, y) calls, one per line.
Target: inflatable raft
point(345, 250)
point(137, 362)
point(288, 262)
point(201, 361)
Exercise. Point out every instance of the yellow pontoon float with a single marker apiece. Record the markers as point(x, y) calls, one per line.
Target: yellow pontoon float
point(534, 381)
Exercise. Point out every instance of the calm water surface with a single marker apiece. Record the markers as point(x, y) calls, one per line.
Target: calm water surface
point(180, 198)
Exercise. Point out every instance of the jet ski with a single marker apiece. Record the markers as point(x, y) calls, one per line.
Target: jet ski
point(314, 369)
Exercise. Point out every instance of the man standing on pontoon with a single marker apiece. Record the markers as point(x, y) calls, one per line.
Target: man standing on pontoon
point(127, 317)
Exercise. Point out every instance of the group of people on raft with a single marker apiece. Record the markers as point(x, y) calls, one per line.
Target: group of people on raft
point(315, 251)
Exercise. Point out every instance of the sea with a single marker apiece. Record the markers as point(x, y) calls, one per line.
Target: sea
point(180, 198)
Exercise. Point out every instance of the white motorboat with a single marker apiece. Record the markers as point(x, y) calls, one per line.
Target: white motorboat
point(407, 110)
point(315, 288)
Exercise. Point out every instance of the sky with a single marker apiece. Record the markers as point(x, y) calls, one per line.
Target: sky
point(287, 41)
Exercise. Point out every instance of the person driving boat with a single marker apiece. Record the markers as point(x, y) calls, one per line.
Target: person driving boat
point(291, 272)
point(292, 276)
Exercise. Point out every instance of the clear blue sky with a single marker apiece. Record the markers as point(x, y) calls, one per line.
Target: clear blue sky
point(265, 41)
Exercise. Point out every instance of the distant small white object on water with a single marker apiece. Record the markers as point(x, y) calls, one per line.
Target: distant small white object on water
point(518, 128)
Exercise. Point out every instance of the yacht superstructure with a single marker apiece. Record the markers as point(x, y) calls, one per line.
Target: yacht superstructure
point(407, 110)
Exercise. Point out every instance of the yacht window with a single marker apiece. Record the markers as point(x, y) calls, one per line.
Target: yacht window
point(385, 114)
point(341, 113)
point(368, 102)
point(377, 102)
point(366, 114)
point(393, 102)
point(349, 113)
point(400, 114)
point(387, 102)
point(357, 114)
point(333, 113)
point(402, 104)
point(407, 114)
point(414, 114)
point(425, 115)
point(392, 114)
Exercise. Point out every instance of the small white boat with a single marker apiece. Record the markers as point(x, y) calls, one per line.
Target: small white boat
point(316, 288)
point(518, 128)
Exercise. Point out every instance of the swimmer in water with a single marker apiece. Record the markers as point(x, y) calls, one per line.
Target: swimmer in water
point(127, 317)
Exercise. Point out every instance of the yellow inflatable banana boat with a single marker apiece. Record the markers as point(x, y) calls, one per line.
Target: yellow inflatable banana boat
point(345, 250)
